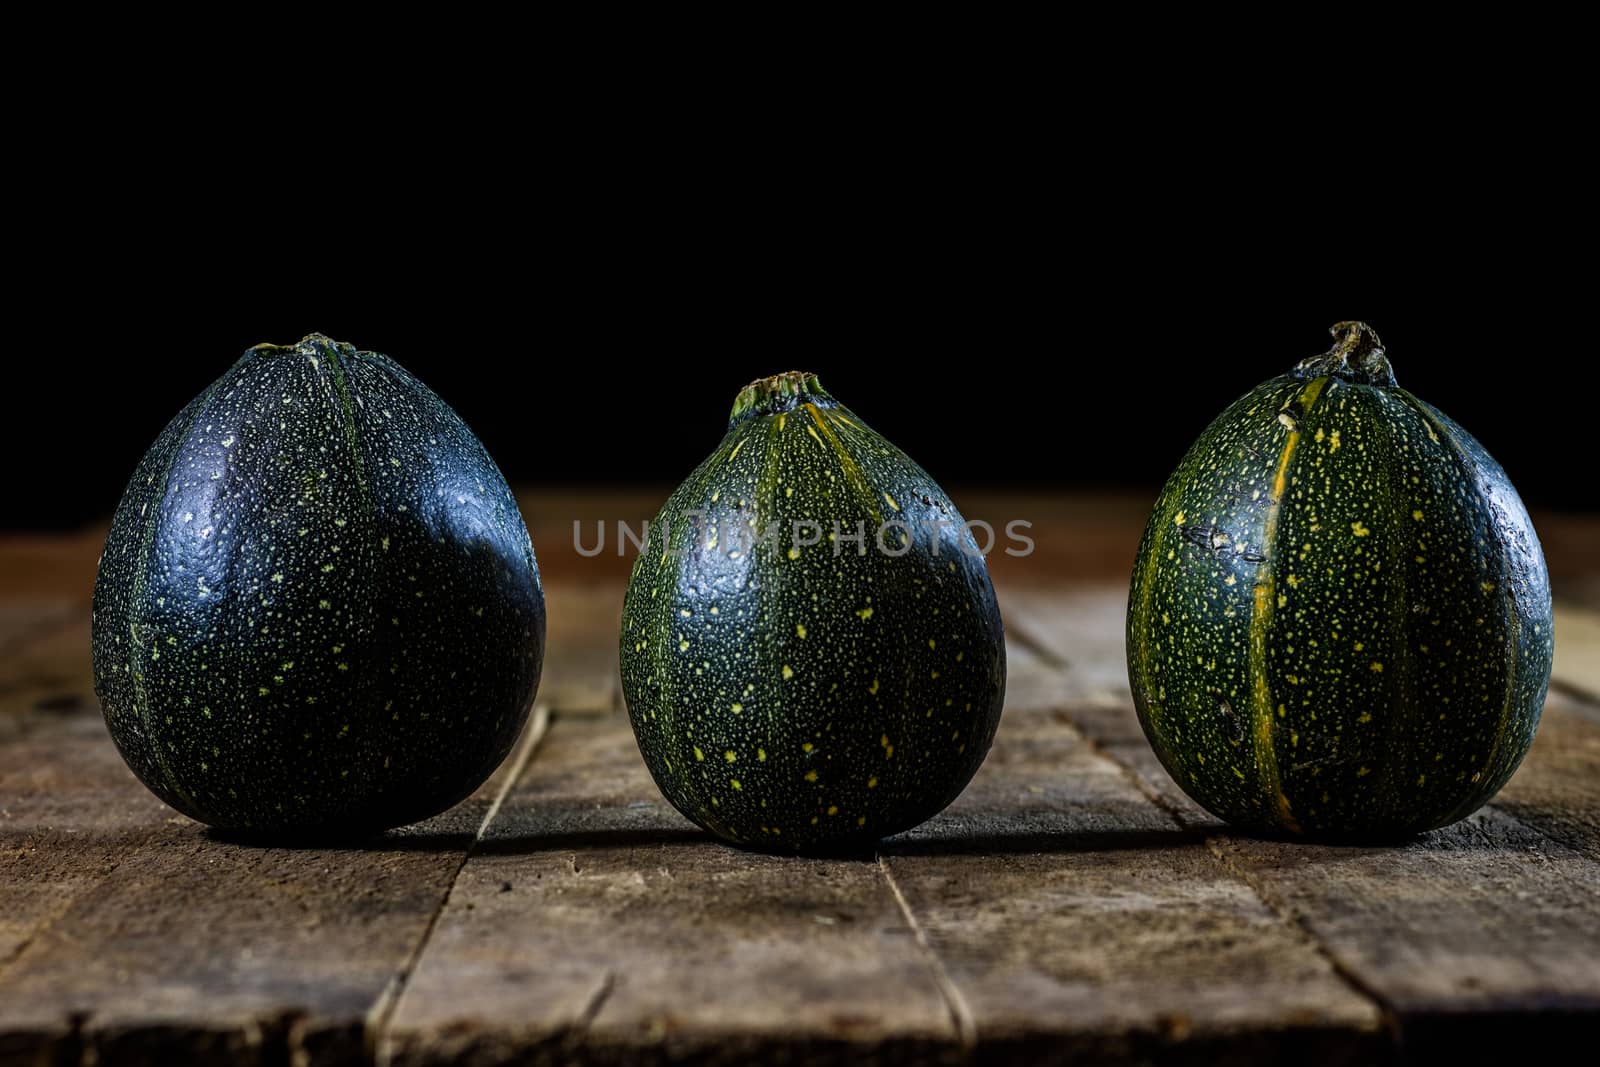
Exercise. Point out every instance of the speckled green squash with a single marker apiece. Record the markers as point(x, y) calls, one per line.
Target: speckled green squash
point(791, 696)
point(318, 611)
point(1339, 622)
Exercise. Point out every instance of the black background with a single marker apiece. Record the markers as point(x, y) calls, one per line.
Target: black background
point(1010, 306)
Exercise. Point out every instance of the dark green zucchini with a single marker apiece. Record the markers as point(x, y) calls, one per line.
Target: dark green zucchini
point(1339, 623)
point(810, 691)
point(318, 611)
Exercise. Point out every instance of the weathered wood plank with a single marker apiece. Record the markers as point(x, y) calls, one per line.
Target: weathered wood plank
point(128, 937)
point(1557, 789)
point(1482, 938)
point(596, 923)
point(580, 660)
point(1577, 661)
point(54, 751)
point(1477, 936)
point(53, 808)
point(1075, 918)
point(134, 935)
point(169, 943)
point(1079, 630)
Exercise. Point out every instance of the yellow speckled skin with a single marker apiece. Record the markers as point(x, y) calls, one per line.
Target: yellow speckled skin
point(1339, 624)
point(810, 697)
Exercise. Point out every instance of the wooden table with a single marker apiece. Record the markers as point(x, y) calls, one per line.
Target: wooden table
point(1072, 902)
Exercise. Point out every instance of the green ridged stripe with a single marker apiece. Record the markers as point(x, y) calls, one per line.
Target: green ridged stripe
point(141, 579)
point(1513, 629)
point(1263, 603)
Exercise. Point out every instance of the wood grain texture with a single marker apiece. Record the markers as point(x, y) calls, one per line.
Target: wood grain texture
point(1057, 902)
point(1072, 901)
point(162, 942)
point(596, 923)
point(1577, 662)
point(1077, 919)
point(54, 755)
point(580, 659)
point(1473, 937)
point(132, 935)
point(1557, 791)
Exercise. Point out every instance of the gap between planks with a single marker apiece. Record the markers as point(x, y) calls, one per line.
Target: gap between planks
point(1347, 974)
point(382, 1011)
point(1396, 1016)
point(1390, 1019)
point(1576, 670)
point(961, 1016)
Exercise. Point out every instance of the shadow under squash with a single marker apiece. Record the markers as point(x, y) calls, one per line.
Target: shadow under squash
point(558, 838)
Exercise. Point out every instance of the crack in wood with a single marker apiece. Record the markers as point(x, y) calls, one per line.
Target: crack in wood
point(1022, 634)
point(1389, 1014)
point(1546, 828)
point(382, 1012)
point(47, 922)
point(1386, 1009)
point(1389, 1020)
point(961, 1016)
point(591, 1009)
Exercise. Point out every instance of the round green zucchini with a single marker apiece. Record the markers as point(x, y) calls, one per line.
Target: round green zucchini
point(812, 655)
point(1339, 624)
point(318, 611)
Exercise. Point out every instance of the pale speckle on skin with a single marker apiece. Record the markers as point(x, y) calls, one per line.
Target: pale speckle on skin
point(801, 697)
point(285, 424)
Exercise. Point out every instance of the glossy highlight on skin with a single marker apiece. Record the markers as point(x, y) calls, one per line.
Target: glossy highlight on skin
point(318, 610)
